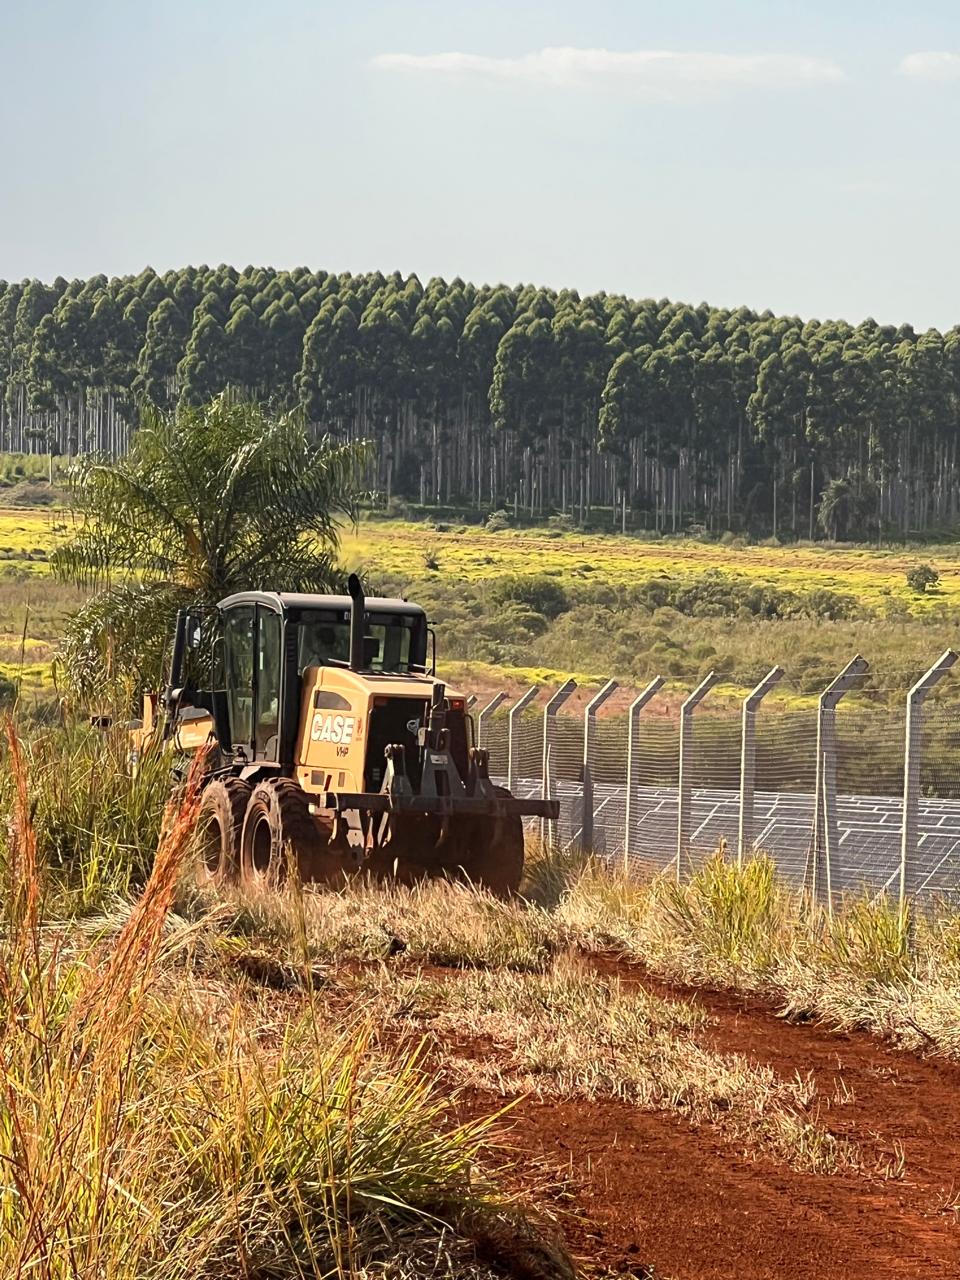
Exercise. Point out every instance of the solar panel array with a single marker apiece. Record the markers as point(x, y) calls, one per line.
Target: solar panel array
point(868, 855)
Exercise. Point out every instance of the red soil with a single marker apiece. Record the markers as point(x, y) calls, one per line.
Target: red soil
point(651, 1191)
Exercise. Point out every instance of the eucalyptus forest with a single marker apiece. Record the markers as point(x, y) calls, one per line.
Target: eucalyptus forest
point(642, 414)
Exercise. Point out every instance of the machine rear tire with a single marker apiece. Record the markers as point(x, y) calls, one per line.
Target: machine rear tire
point(219, 826)
point(277, 821)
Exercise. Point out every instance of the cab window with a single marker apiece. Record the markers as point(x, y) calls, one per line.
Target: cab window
point(321, 642)
point(388, 644)
point(268, 683)
point(393, 648)
point(238, 670)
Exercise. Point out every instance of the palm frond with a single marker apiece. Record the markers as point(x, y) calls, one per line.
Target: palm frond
point(209, 500)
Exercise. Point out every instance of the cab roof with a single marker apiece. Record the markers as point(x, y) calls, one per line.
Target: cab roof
point(282, 601)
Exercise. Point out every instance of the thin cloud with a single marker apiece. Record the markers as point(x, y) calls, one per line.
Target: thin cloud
point(656, 72)
point(932, 65)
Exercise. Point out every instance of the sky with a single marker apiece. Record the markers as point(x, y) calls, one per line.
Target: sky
point(799, 155)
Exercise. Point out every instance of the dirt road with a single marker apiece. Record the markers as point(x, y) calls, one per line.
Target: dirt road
point(652, 1192)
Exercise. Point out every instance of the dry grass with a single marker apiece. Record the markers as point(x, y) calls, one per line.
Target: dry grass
point(737, 927)
point(744, 929)
point(445, 924)
point(208, 1090)
point(571, 1033)
point(157, 1122)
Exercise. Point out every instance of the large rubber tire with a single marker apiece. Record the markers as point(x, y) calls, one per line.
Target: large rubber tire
point(219, 827)
point(278, 828)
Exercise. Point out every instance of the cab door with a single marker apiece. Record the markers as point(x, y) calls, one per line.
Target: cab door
point(238, 671)
point(269, 668)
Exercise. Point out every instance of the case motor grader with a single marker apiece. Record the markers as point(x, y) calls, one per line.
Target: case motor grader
point(332, 745)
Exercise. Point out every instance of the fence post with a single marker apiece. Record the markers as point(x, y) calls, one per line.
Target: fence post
point(471, 702)
point(826, 833)
point(589, 735)
point(484, 714)
point(549, 725)
point(653, 688)
point(911, 774)
point(684, 785)
point(748, 759)
point(520, 705)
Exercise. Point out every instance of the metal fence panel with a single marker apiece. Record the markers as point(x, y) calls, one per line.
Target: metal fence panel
point(861, 823)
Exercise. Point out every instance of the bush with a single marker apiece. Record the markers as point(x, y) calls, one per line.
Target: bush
point(922, 576)
point(497, 520)
point(561, 524)
point(539, 593)
point(720, 595)
point(33, 493)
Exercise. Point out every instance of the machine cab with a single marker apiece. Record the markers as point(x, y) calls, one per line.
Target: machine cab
point(265, 641)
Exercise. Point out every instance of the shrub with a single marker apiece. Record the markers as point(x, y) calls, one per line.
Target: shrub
point(8, 691)
point(540, 593)
point(719, 595)
point(561, 523)
point(497, 520)
point(397, 509)
point(922, 576)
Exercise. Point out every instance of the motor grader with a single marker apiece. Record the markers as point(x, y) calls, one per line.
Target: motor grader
point(331, 746)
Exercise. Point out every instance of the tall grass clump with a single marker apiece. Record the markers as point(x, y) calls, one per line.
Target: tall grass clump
point(732, 918)
point(152, 1127)
point(96, 822)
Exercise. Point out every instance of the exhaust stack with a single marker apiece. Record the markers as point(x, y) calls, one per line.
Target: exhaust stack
point(358, 622)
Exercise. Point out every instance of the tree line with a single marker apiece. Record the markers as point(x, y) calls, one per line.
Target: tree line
point(644, 413)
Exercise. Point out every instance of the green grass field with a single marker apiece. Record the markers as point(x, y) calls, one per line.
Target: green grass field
point(609, 629)
point(603, 630)
point(400, 550)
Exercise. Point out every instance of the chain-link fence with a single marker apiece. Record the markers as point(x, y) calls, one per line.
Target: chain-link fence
point(845, 793)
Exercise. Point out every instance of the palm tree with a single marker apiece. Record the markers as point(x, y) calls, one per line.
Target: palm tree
point(209, 500)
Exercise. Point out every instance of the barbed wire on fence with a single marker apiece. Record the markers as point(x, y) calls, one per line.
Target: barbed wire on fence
point(845, 793)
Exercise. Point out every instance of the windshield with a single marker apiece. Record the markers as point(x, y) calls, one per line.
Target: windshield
point(388, 643)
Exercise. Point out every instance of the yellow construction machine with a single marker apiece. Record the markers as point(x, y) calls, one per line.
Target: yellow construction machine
point(332, 747)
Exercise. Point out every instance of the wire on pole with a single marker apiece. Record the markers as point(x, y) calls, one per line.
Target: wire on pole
point(486, 712)
point(826, 834)
point(589, 735)
point(684, 783)
point(633, 723)
point(748, 759)
point(911, 774)
point(549, 726)
point(519, 706)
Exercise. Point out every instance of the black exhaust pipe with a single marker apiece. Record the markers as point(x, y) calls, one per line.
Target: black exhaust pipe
point(358, 622)
point(179, 649)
